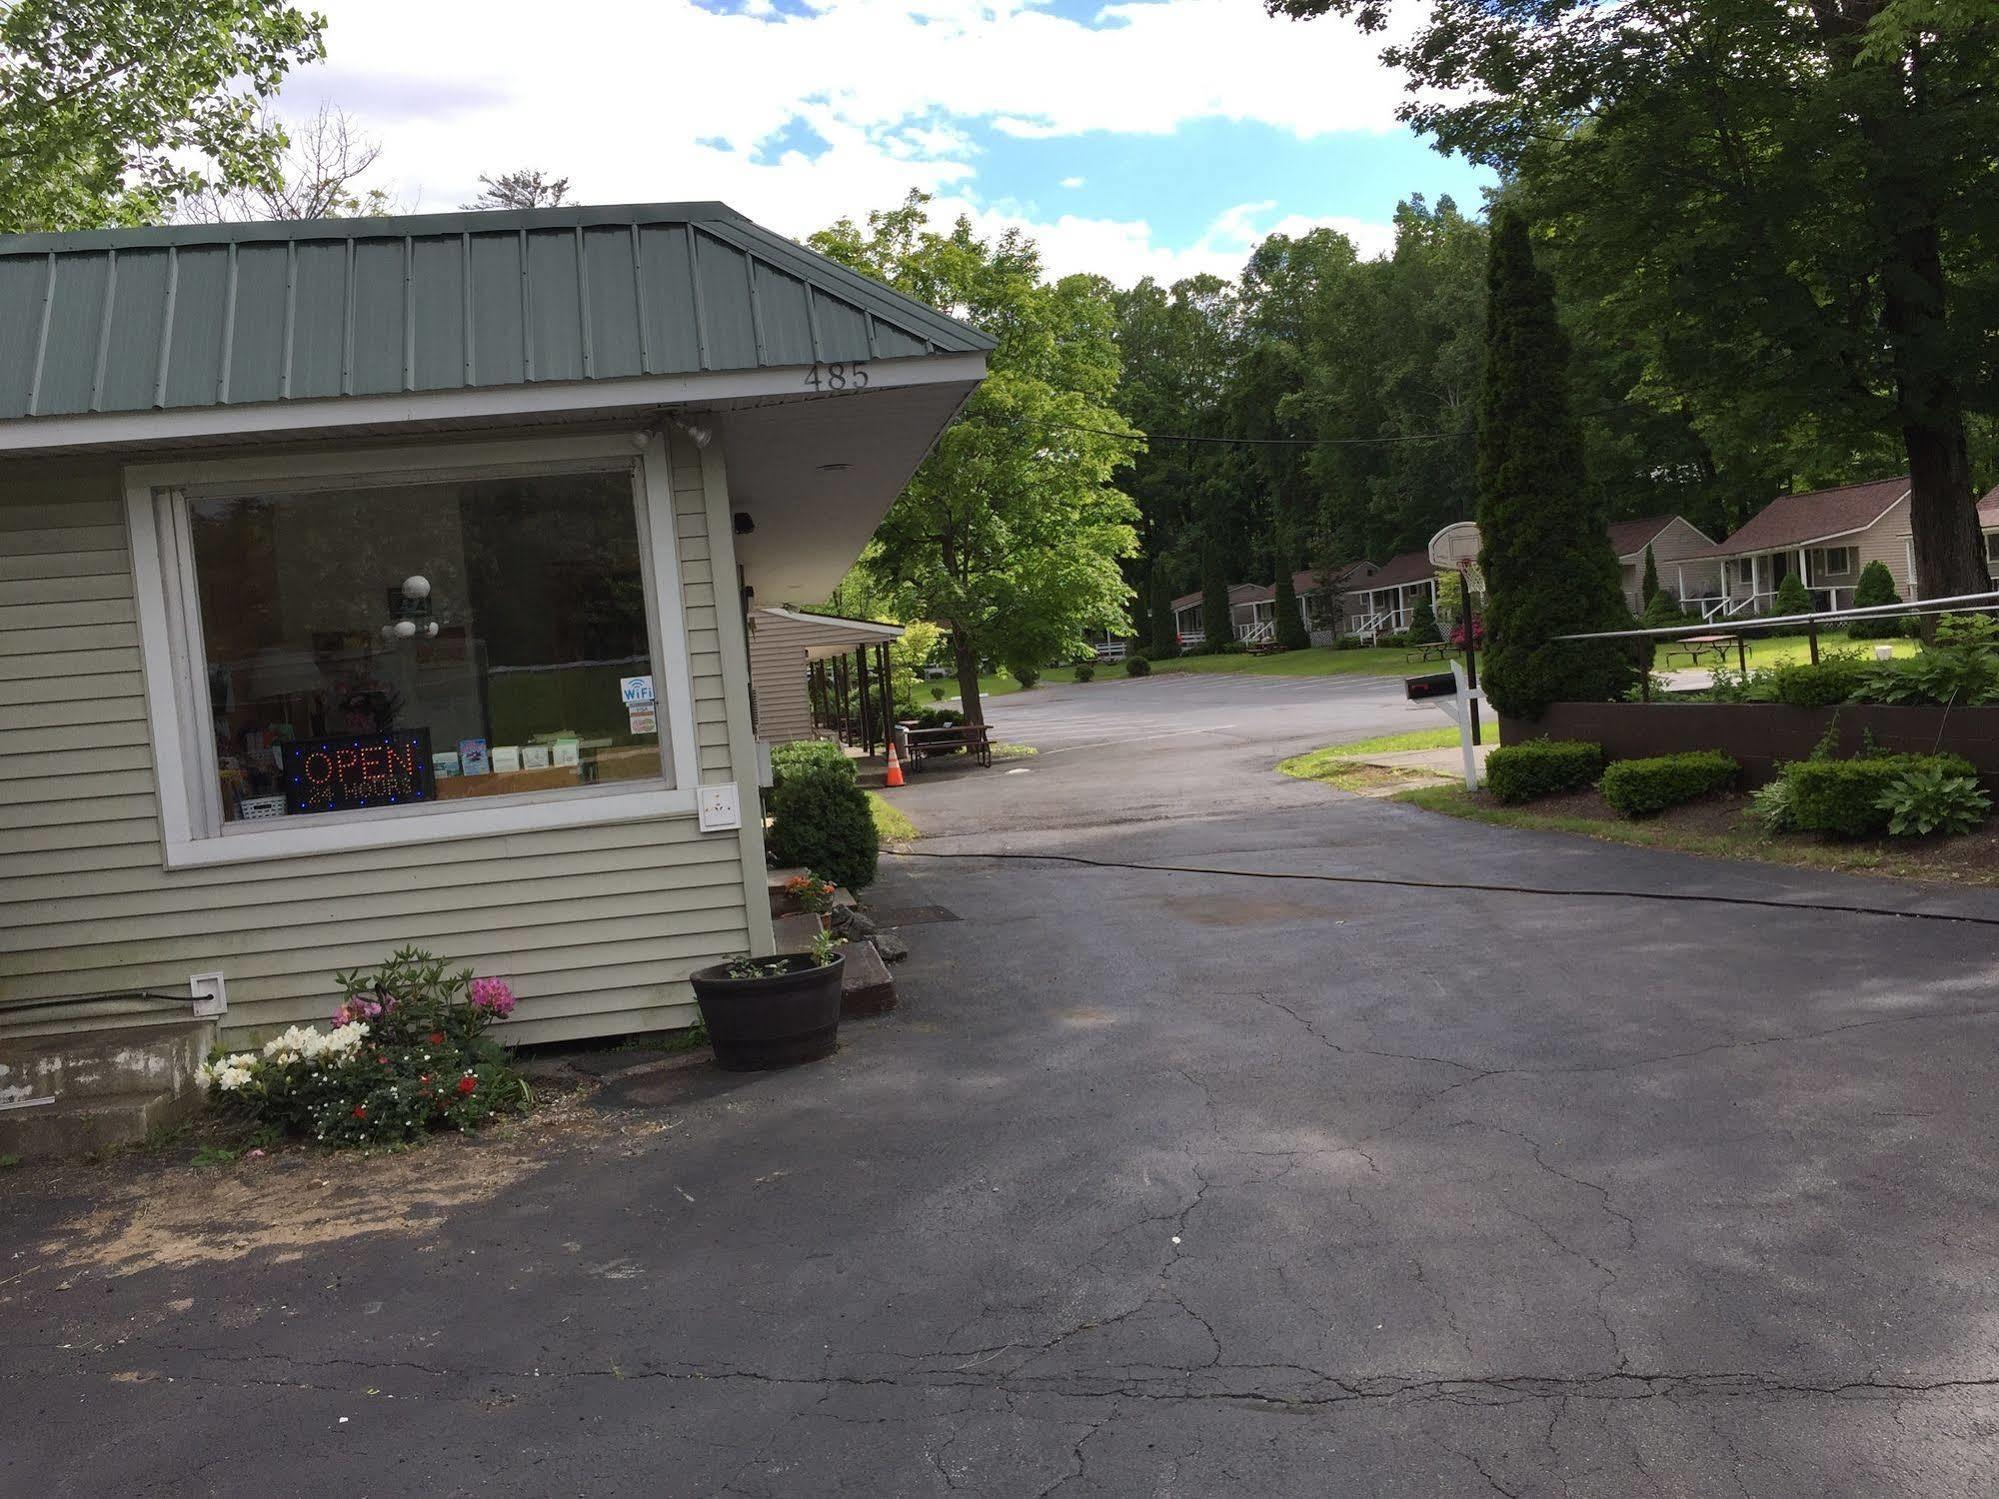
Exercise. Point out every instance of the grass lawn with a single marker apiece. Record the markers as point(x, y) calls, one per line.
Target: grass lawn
point(891, 825)
point(1721, 827)
point(1340, 764)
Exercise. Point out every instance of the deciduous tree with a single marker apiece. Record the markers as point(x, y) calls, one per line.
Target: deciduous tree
point(1011, 533)
point(522, 189)
point(113, 111)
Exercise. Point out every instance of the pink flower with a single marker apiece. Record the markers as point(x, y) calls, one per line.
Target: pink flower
point(493, 996)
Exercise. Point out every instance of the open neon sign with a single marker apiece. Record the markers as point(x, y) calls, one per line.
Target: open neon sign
point(353, 771)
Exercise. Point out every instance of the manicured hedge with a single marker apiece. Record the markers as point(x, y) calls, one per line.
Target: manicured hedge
point(1541, 767)
point(821, 821)
point(1640, 788)
point(801, 755)
point(1842, 796)
point(1137, 666)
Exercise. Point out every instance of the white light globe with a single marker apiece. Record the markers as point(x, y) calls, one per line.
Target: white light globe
point(416, 586)
point(405, 628)
point(388, 632)
point(431, 629)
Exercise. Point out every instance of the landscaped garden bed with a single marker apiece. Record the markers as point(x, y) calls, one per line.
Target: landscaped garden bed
point(1728, 826)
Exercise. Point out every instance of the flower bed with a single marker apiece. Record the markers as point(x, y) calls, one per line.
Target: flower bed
point(408, 1053)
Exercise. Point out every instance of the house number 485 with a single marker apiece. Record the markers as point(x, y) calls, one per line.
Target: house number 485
point(837, 376)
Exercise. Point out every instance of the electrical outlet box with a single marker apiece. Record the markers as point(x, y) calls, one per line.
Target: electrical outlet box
point(211, 994)
point(719, 808)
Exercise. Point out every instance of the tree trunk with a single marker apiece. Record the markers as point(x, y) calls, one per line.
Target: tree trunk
point(968, 676)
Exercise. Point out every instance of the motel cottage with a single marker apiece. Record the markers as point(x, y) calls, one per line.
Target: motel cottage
point(371, 582)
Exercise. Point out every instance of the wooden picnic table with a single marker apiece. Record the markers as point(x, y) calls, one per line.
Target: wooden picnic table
point(918, 744)
point(1697, 646)
point(1429, 650)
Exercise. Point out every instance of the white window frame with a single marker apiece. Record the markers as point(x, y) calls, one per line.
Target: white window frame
point(1825, 568)
point(1991, 548)
point(177, 703)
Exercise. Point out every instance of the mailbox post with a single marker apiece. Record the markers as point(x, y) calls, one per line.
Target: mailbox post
point(1458, 698)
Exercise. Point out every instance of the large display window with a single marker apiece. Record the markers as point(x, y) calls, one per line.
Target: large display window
point(444, 641)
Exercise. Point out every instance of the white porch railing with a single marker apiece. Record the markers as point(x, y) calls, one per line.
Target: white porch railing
point(1259, 632)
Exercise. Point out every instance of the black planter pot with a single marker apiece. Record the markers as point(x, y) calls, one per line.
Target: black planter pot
point(774, 1020)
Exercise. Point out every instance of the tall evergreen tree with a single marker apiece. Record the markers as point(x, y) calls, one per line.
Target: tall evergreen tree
point(1650, 585)
point(1216, 619)
point(1548, 566)
point(1292, 633)
point(1164, 634)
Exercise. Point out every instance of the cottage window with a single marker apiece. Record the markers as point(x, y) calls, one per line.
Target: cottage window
point(1834, 562)
point(1992, 547)
point(357, 659)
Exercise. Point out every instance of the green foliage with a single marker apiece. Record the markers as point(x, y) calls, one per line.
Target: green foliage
point(939, 718)
point(1959, 668)
point(1792, 597)
point(408, 1053)
point(1834, 680)
point(112, 113)
point(1876, 589)
point(1662, 611)
point(1024, 673)
point(1771, 804)
point(1163, 635)
point(1292, 635)
point(803, 755)
point(1137, 666)
point(1012, 537)
point(1423, 624)
point(1844, 797)
point(1541, 767)
point(1648, 588)
point(1086, 671)
point(1548, 565)
point(1642, 788)
point(1217, 616)
point(1928, 799)
point(820, 820)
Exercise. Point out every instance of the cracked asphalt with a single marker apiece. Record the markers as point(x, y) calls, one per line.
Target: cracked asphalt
point(1174, 1184)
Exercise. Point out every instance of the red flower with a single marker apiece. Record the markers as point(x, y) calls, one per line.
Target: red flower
point(360, 1111)
point(435, 1038)
point(467, 1084)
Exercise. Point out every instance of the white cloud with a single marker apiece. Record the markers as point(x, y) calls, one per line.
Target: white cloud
point(660, 100)
point(1072, 181)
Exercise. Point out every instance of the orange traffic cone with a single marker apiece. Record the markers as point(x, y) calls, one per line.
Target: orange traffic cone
point(894, 776)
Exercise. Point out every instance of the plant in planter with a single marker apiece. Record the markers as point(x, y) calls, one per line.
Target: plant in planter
point(773, 1012)
point(810, 894)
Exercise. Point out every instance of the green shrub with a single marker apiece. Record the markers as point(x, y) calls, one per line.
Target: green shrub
point(1844, 797)
point(1792, 597)
point(939, 718)
point(1423, 624)
point(1771, 805)
point(1663, 611)
point(1137, 666)
point(408, 1053)
point(787, 760)
point(1541, 767)
point(1640, 788)
point(1875, 589)
point(1960, 669)
point(1086, 670)
point(821, 820)
point(1834, 680)
point(1027, 676)
point(1930, 799)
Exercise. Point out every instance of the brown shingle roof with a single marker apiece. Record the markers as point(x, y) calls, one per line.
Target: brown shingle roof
point(1239, 593)
point(1796, 519)
point(1988, 510)
point(1628, 538)
point(1410, 567)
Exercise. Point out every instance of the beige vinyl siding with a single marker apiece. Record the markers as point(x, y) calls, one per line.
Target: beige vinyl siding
point(777, 667)
point(596, 927)
point(1886, 542)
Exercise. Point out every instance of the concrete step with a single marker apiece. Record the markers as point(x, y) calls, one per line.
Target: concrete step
point(98, 1063)
point(87, 1125)
point(865, 985)
point(795, 932)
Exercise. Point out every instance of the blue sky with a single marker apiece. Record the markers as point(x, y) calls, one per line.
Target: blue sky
point(1131, 137)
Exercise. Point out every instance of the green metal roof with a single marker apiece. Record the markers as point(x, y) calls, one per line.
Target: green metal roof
point(203, 315)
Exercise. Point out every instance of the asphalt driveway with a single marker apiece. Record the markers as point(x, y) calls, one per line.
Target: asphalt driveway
point(1161, 1182)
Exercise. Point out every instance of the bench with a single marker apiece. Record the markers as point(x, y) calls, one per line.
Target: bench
point(1696, 646)
point(918, 744)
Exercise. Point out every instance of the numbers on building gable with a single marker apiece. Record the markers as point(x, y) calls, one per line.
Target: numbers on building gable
point(839, 376)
